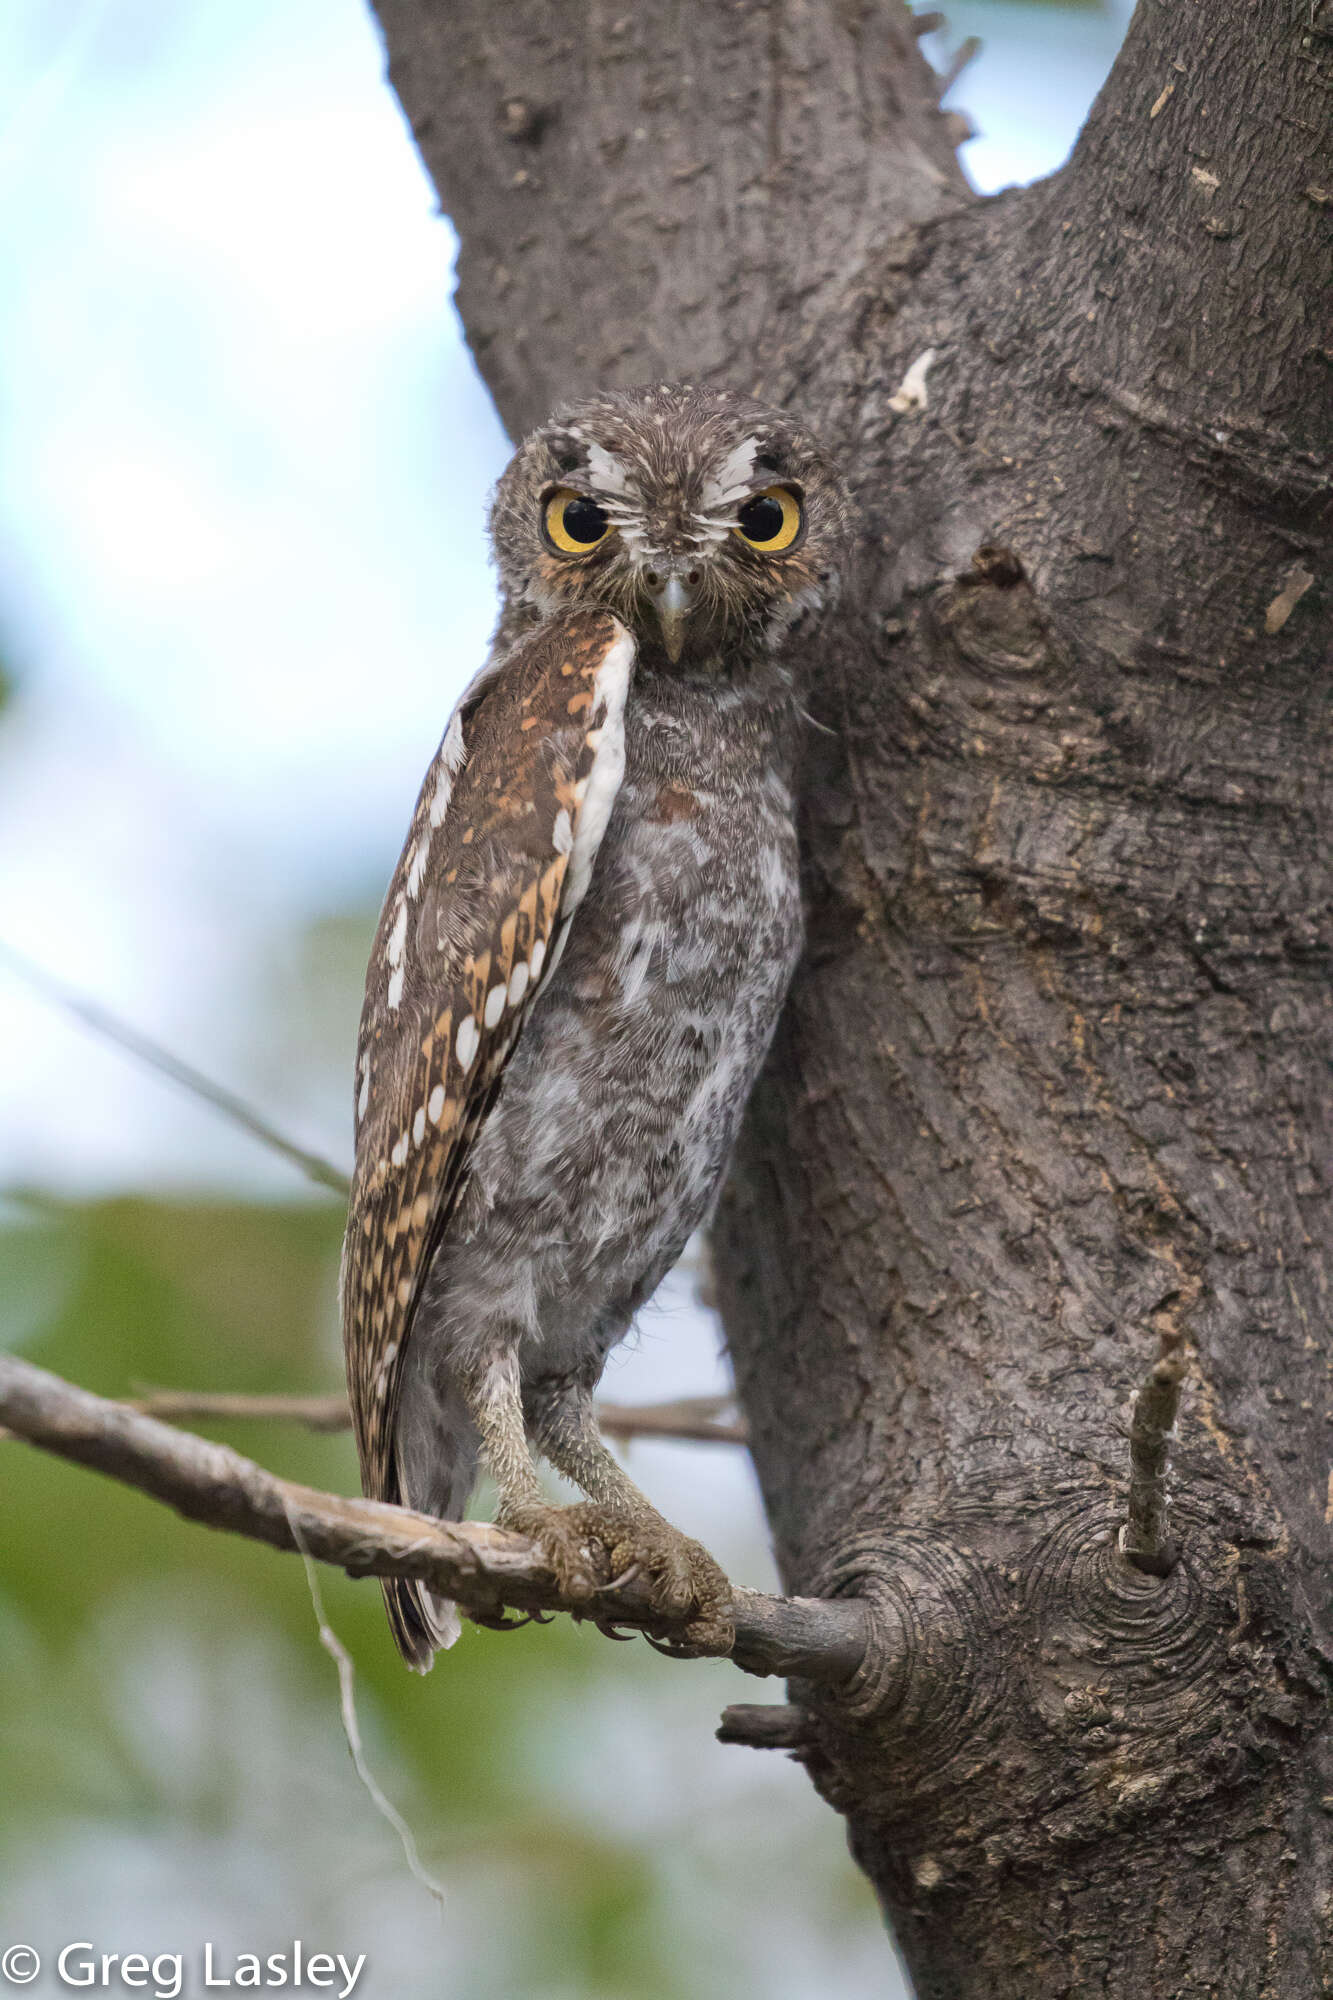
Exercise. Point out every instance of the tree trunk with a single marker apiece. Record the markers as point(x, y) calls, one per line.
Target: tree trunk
point(1053, 1085)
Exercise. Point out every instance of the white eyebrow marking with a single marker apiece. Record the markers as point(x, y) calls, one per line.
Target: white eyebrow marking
point(605, 472)
point(733, 479)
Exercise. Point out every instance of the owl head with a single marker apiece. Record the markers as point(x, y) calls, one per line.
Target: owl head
point(710, 524)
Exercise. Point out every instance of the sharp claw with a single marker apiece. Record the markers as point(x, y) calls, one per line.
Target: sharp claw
point(501, 1621)
point(674, 1649)
point(626, 1576)
point(608, 1628)
point(683, 1647)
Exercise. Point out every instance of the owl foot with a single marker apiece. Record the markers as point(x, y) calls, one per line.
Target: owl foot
point(593, 1548)
point(573, 1553)
point(681, 1578)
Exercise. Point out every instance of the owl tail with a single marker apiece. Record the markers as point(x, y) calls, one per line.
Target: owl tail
point(422, 1622)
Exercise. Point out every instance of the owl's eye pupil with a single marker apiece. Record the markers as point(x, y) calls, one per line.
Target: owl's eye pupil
point(761, 519)
point(583, 520)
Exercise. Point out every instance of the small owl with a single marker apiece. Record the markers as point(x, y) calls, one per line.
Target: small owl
point(579, 967)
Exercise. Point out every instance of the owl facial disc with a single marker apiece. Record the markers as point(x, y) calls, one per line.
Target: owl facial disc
point(712, 526)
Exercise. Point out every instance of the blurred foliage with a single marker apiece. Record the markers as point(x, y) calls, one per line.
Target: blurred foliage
point(176, 1705)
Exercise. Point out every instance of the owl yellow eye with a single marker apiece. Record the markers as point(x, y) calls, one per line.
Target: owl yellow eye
point(771, 521)
point(574, 523)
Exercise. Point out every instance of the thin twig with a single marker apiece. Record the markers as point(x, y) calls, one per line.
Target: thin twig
point(482, 1568)
point(966, 52)
point(175, 1406)
point(343, 1661)
point(1145, 1538)
point(91, 1014)
point(695, 1418)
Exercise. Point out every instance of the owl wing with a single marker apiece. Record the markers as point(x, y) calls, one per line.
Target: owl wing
point(497, 860)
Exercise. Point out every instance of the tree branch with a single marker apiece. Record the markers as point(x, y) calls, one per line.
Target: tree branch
point(779, 1727)
point(669, 163)
point(695, 1419)
point(1145, 1539)
point(177, 1406)
point(484, 1569)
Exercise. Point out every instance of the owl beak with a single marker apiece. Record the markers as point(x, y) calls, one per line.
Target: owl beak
point(673, 604)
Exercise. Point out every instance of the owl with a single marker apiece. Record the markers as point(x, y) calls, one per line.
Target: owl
point(578, 969)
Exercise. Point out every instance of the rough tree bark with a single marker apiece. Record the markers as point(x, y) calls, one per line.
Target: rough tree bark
point(1053, 1084)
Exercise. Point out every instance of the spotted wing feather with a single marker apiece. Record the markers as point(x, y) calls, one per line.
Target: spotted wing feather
point(497, 859)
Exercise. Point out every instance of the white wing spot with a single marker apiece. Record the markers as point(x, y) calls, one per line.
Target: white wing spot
point(562, 833)
point(363, 1096)
point(395, 986)
point(452, 752)
point(495, 1006)
point(538, 957)
point(518, 983)
point(436, 1105)
point(399, 1153)
point(467, 1042)
point(416, 871)
point(398, 935)
point(419, 1126)
point(608, 768)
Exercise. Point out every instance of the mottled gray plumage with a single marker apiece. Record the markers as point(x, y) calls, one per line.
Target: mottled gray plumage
point(580, 964)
